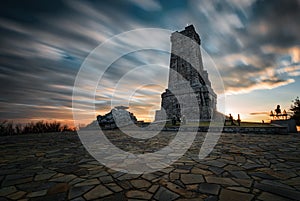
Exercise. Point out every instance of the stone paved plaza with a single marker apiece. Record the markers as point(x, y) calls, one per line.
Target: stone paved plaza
point(241, 167)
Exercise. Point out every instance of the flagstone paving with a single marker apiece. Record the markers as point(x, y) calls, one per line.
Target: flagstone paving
point(241, 167)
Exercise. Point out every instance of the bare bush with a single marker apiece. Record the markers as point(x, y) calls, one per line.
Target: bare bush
point(8, 128)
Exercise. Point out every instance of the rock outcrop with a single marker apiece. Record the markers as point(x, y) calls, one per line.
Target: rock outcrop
point(116, 118)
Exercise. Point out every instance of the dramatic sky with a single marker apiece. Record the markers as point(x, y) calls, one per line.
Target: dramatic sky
point(255, 45)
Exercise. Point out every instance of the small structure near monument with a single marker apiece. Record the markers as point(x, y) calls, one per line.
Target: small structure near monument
point(231, 120)
point(281, 119)
point(290, 124)
point(277, 114)
point(186, 66)
point(239, 120)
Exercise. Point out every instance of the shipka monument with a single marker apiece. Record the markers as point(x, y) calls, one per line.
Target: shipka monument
point(186, 66)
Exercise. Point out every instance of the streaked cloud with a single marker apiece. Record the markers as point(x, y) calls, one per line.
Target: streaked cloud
point(148, 5)
point(43, 47)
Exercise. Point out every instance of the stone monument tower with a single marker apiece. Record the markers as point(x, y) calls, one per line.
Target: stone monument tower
point(186, 67)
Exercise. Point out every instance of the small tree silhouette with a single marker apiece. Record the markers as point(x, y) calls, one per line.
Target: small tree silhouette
point(295, 108)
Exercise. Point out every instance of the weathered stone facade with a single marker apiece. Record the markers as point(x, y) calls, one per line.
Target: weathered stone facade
point(187, 79)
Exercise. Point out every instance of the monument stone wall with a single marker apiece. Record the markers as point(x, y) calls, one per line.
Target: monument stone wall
point(186, 67)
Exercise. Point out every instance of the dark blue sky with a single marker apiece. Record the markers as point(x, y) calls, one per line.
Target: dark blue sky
point(255, 44)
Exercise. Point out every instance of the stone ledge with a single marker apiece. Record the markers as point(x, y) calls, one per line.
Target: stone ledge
point(231, 129)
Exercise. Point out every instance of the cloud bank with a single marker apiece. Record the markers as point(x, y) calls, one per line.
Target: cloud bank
point(255, 45)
